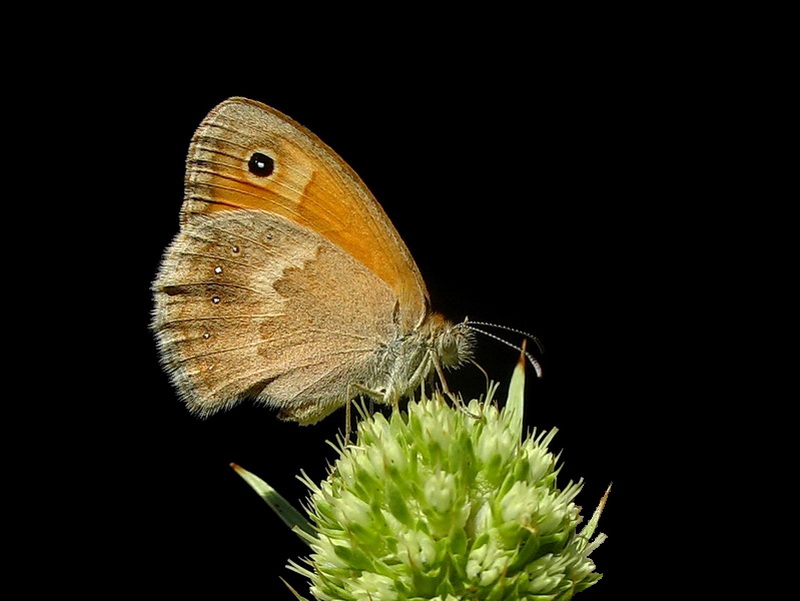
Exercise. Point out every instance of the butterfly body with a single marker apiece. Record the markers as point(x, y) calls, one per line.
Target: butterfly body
point(287, 283)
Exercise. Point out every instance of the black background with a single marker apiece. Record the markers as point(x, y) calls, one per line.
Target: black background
point(612, 181)
point(538, 199)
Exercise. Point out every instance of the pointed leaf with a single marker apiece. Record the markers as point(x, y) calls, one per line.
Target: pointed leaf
point(294, 592)
point(516, 397)
point(290, 516)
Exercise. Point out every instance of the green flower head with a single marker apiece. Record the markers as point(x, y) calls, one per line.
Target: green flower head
point(446, 503)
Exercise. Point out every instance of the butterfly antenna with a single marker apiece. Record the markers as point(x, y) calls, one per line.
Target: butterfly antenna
point(528, 356)
point(515, 330)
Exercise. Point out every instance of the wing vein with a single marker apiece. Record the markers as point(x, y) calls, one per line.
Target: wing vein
point(261, 342)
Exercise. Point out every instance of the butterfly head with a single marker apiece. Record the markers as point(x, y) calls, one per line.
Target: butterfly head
point(453, 344)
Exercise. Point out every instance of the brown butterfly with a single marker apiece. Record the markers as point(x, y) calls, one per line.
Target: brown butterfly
point(287, 283)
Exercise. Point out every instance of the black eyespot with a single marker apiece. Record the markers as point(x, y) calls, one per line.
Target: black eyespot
point(261, 165)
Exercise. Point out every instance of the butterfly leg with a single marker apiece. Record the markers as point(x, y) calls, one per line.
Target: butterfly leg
point(440, 372)
point(347, 416)
point(354, 390)
point(446, 390)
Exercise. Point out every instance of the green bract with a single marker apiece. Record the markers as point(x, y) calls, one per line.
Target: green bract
point(446, 503)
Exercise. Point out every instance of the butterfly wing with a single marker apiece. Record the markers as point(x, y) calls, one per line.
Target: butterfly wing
point(251, 304)
point(306, 182)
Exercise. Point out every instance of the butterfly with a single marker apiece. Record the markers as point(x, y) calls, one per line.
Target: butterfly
point(287, 283)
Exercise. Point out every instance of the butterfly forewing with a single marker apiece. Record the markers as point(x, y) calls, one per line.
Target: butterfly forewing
point(306, 182)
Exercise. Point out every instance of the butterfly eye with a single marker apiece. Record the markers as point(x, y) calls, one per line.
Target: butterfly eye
point(261, 165)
